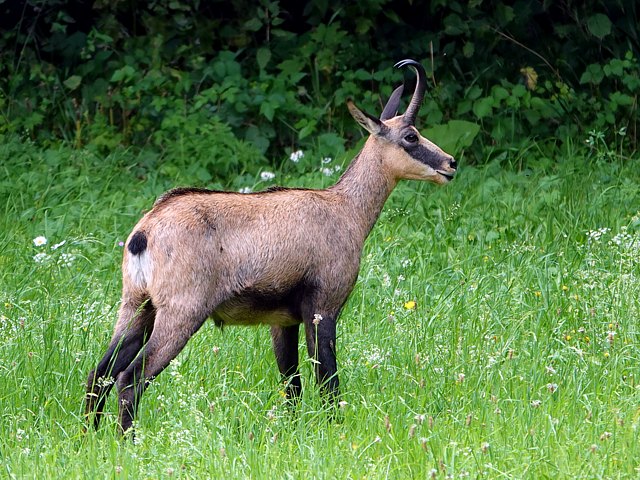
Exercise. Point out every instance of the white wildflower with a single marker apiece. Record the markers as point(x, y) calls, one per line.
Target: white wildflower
point(266, 176)
point(296, 156)
point(271, 414)
point(40, 241)
point(605, 436)
point(375, 356)
point(245, 190)
point(595, 235)
point(66, 259)
point(58, 245)
point(40, 257)
point(326, 160)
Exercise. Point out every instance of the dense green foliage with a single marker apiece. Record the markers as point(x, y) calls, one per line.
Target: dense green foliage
point(278, 73)
point(493, 332)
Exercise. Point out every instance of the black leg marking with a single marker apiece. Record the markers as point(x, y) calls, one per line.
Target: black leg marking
point(285, 347)
point(320, 333)
point(122, 350)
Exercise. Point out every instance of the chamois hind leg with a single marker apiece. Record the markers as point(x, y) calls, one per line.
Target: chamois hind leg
point(172, 330)
point(133, 328)
point(285, 347)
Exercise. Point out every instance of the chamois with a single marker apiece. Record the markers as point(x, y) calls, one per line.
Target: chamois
point(281, 257)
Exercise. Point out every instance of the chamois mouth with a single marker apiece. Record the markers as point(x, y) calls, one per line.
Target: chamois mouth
point(447, 175)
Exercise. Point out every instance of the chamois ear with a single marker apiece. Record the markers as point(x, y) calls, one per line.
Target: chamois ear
point(366, 121)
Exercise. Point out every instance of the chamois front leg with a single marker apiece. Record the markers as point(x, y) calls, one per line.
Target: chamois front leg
point(285, 347)
point(320, 332)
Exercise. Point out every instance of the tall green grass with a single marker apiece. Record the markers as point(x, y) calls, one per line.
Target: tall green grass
point(493, 332)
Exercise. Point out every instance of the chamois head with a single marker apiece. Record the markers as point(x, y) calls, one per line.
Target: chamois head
point(406, 153)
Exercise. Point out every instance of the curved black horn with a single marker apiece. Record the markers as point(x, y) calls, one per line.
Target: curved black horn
point(418, 94)
point(391, 108)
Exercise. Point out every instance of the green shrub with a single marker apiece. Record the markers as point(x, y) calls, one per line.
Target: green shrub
point(278, 73)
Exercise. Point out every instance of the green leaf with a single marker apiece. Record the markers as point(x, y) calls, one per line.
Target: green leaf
point(504, 14)
point(469, 49)
point(268, 110)
point(307, 130)
point(483, 107)
point(362, 75)
point(263, 55)
point(593, 74)
point(474, 92)
point(73, 82)
point(33, 120)
point(620, 98)
point(453, 136)
point(491, 236)
point(123, 73)
point(253, 25)
point(291, 66)
point(256, 137)
point(519, 91)
point(464, 106)
point(599, 25)
point(499, 93)
point(454, 25)
point(614, 68)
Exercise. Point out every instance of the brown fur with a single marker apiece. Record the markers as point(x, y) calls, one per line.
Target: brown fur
point(282, 257)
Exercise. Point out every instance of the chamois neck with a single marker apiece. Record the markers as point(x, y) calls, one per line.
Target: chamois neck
point(365, 187)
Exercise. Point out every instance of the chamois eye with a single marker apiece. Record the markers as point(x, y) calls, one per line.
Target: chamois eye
point(411, 138)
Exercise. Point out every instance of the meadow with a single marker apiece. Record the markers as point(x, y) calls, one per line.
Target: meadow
point(493, 332)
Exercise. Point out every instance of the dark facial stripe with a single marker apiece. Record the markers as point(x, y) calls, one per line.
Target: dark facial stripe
point(424, 155)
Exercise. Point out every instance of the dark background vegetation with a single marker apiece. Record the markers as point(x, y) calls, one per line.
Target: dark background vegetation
point(240, 80)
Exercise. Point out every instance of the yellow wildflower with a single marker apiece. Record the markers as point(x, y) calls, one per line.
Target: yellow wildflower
point(410, 305)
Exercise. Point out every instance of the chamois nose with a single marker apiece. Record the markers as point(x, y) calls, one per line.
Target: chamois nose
point(453, 164)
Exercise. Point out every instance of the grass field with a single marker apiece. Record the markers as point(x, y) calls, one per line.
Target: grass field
point(493, 333)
